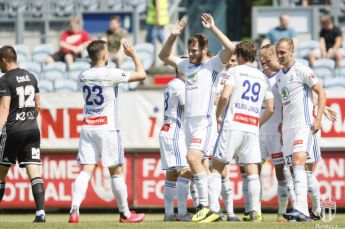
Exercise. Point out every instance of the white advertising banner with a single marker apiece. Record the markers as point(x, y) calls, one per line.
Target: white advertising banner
point(141, 117)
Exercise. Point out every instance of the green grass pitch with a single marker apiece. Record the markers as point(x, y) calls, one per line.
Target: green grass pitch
point(152, 221)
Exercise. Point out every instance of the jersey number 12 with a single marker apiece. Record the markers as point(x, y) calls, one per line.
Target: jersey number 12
point(29, 91)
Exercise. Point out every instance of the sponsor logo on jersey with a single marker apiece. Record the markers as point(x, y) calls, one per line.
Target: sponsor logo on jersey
point(20, 116)
point(191, 79)
point(95, 121)
point(166, 127)
point(284, 93)
point(298, 142)
point(196, 140)
point(277, 155)
point(246, 119)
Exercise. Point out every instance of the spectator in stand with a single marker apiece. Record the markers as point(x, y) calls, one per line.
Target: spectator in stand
point(330, 42)
point(72, 43)
point(115, 37)
point(281, 31)
point(157, 17)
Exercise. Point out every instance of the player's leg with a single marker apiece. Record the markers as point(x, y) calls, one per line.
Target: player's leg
point(182, 189)
point(244, 176)
point(29, 157)
point(314, 191)
point(169, 194)
point(113, 158)
point(69, 59)
point(88, 157)
point(282, 192)
point(290, 185)
point(194, 194)
point(3, 172)
point(227, 196)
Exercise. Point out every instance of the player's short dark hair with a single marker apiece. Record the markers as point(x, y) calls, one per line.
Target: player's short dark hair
point(289, 41)
point(246, 50)
point(8, 53)
point(95, 48)
point(199, 38)
point(116, 18)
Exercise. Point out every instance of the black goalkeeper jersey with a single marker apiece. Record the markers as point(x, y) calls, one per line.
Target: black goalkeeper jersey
point(21, 85)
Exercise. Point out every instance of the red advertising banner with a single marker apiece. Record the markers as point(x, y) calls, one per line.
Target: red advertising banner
point(150, 180)
point(145, 187)
point(59, 173)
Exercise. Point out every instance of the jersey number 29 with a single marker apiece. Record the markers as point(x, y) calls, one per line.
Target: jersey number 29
point(255, 90)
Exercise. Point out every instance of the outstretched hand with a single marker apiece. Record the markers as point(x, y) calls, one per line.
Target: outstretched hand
point(207, 20)
point(129, 49)
point(179, 27)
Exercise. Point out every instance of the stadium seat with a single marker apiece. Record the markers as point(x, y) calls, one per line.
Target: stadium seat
point(340, 72)
point(54, 71)
point(89, 5)
point(323, 72)
point(302, 61)
point(65, 85)
point(146, 53)
point(305, 47)
point(63, 8)
point(326, 63)
point(128, 65)
point(76, 68)
point(33, 67)
point(119, 5)
point(14, 6)
point(36, 8)
point(41, 52)
point(45, 86)
point(335, 83)
point(22, 51)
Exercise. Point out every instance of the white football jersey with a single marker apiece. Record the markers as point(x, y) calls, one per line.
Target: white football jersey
point(200, 85)
point(174, 100)
point(250, 89)
point(100, 91)
point(296, 95)
point(271, 125)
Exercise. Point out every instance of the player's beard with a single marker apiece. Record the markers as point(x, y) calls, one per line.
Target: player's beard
point(195, 59)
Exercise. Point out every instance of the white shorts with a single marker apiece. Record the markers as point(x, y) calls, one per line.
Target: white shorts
point(244, 145)
point(270, 147)
point(298, 140)
point(173, 153)
point(100, 144)
point(198, 133)
point(315, 154)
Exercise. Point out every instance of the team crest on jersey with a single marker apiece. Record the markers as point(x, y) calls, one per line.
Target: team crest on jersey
point(191, 79)
point(285, 93)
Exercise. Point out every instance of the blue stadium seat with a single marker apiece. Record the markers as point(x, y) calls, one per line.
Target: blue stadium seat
point(76, 68)
point(14, 6)
point(54, 71)
point(305, 47)
point(146, 53)
point(33, 67)
point(63, 8)
point(45, 86)
point(22, 51)
point(323, 72)
point(36, 8)
point(89, 5)
point(65, 85)
point(41, 52)
point(302, 61)
point(335, 83)
point(340, 72)
point(326, 63)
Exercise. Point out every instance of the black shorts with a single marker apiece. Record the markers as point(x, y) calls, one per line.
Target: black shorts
point(24, 146)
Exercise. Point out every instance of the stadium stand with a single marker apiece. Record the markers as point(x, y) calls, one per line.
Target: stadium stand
point(302, 61)
point(305, 47)
point(33, 67)
point(41, 51)
point(76, 68)
point(22, 51)
point(65, 85)
point(45, 86)
point(54, 71)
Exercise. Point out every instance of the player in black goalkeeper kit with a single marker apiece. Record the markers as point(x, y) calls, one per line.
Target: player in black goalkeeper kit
point(20, 136)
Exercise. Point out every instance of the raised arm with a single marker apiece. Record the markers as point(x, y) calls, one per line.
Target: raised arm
point(139, 74)
point(165, 54)
point(229, 48)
